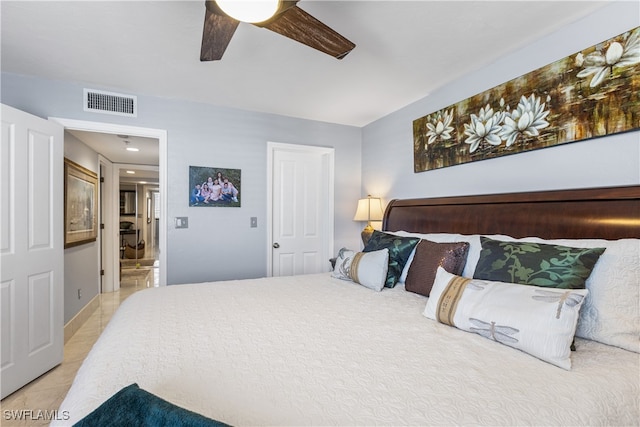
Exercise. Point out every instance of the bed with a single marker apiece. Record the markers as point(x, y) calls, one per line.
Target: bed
point(318, 350)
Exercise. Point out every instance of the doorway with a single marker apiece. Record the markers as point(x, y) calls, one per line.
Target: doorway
point(300, 209)
point(139, 253)
point(111, 236)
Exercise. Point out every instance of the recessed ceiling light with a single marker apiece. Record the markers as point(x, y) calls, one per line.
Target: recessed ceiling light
point(131, 172)
point(128, 148)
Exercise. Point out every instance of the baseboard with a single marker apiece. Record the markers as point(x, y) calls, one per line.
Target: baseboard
point(78, 320)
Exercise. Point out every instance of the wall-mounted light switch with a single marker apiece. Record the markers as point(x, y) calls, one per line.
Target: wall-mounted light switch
point(254, 222)
point(182, 222)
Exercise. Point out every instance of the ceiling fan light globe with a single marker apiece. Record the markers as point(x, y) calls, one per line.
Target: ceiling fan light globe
point(251, 11)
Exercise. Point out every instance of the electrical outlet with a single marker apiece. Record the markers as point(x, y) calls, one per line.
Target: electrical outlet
point(182, 222)
point(254, 222)
point(79, 293)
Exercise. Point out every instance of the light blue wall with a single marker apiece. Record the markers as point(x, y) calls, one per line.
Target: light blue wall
point(377, 159)
point(387, 158)
point(219, 244)
point(81, 263)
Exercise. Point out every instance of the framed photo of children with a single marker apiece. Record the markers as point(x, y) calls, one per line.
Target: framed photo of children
point(214, 187)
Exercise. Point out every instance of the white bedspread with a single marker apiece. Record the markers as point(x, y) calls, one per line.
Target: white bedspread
point(313, 350)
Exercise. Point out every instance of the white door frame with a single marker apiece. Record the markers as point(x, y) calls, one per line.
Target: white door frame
point(105, 254)
point(328, 155)
point(112, 243)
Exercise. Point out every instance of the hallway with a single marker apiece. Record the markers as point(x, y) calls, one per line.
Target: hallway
point(30, 405)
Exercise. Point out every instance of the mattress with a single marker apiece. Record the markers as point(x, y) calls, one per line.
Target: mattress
point(315, 350)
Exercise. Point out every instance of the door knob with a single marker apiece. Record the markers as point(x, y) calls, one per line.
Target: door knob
point(276, 245)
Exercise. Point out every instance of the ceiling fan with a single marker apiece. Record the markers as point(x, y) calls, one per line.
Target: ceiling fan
point(288, 20)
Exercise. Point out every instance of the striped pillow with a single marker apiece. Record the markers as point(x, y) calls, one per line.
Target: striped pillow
point(368, 269)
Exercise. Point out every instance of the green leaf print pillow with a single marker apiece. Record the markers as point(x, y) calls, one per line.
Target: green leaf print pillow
point(537, 264)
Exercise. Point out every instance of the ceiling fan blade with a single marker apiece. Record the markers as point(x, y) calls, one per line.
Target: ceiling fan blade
point(298, 25)
point(216, 35)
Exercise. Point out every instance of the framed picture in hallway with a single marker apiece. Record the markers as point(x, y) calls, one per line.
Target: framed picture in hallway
point(214, 187)
point(80, 204)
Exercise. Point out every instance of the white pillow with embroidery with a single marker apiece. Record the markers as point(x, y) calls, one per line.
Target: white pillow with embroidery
point(611, 312)
point(366, 268)
point(539, 321)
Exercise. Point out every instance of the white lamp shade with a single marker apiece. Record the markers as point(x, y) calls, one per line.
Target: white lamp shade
point(369, 209)
point(249, 10)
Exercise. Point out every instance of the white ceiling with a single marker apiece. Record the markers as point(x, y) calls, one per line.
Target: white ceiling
point(114, 148)
point(404, 50)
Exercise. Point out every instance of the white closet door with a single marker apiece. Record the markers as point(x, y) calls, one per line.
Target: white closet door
point(302, 210)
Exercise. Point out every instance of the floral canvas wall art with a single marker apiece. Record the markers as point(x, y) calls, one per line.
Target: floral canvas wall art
point(594, 93)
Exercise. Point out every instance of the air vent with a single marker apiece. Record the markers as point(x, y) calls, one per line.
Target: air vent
point(98, 101)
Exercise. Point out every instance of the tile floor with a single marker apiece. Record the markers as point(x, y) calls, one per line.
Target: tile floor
point(47, 392)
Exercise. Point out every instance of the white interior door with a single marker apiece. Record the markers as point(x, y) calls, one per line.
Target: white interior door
point(302, 209)
point(31, 250)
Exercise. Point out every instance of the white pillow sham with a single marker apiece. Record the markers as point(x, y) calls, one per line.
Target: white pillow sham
point(611, 312)
point(366, 268)
point(539, 321)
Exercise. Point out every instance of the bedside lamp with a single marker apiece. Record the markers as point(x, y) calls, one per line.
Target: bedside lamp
point(369, 209)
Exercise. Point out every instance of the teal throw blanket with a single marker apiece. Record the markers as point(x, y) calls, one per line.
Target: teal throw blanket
point(133, 406)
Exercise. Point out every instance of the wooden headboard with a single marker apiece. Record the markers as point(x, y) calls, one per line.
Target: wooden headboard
point(606, 213)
